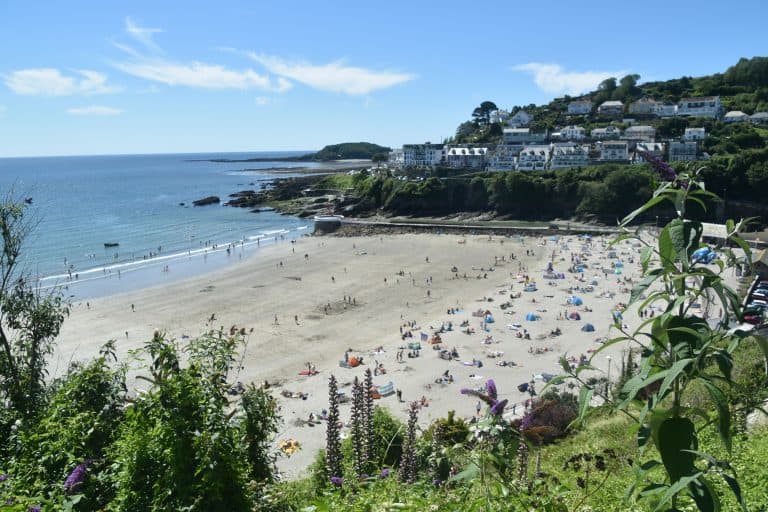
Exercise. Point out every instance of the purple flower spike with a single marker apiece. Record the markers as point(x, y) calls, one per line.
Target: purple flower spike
point(490, 388)
point(337, 481)
point(36, 508)
point(498, 407)
point(385, 473)
point(76, 478)
point(437, 481)
point(3, 477)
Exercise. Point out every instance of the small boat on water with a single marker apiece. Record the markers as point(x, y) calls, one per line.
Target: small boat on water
point(111, 244)
point(328, 218)
point(28, 200)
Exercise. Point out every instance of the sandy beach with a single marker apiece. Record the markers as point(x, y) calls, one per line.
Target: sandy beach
point(313, 299)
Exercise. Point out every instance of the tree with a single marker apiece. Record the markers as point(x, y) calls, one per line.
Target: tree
point(378, 158)
point(482, 114)
point(29, 320)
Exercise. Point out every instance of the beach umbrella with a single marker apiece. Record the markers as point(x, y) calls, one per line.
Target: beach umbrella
point(574, 315)
point(531, 317)
point(576, 301)
point(489, 319)
point(619, 264)
point(553, 238)
point(588, 328)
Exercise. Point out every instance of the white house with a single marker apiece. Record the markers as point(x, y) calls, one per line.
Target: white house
point(520, 119)
point(684, 151)
point(654, 148)
point(579, 107)
point(503, 158)
point(646, 106)
point(614, 151)
point(533, 158)
point(667, 110)
point(566, 156)
point(522, 136)
point(611, 108)
point(461, 157)
point(760, 118)
point(573, 133)
point(735, 116)
point(609, 132)
point(695, 134)
point(640, 132)
point(499, 116)
point(423, 155)
point(396, 158)
point(702, 106)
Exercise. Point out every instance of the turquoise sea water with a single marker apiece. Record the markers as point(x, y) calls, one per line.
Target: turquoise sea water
point(81, 203)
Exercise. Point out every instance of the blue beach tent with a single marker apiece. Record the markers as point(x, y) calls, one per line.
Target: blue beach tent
point(588, 328)
point(531, 317)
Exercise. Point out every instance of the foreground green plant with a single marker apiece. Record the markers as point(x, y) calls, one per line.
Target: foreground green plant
point(678, 349)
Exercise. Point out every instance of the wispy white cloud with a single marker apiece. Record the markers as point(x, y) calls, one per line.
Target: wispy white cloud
point(552, 78)
point(95, 110)
point(142, 34)
point(335, 76)
point(52, 82)
point(199, 74)
point(263, 100)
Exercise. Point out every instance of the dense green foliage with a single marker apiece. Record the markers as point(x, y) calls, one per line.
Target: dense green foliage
point(346, 151)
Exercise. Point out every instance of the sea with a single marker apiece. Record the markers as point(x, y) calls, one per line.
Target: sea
point(79, 206)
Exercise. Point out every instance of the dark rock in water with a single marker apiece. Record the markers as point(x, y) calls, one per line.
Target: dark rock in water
point(263, 209)
point(182, 204)
point(206, 201)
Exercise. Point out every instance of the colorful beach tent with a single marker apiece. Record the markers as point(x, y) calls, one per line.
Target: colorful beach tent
point(531, 317)
point(588, 328)
point(489, 319)
point(576, 300)
point(574, 315)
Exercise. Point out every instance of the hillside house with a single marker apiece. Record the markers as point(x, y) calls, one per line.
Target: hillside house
point(579, 107)
point(573, 133)
point(667, 110)
point(609, 132)
point(462, 157)
point(533, 158)
point(614, 151)
point(695, 134)
point(423, 155)
point(522, 136)
point(499, 116)
point(735, 116)
point(702, 106)
point(683, 151)
point(645, 106)
point(396, 158)
point(520, 120)
point(640, 132)
point(611, 108)
point(503, 158)
point(567, 156)
point(759, 118)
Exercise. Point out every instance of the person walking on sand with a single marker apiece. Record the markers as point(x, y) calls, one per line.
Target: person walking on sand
point(276, 322)
point(133, 308)
point(296, 319)
point(478, 407)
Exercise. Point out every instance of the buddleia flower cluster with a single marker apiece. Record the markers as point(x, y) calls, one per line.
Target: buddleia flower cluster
point(490, 397)
point(665, 170)
point(368, 435)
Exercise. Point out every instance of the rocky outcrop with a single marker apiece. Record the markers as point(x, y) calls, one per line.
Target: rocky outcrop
point(206, 201)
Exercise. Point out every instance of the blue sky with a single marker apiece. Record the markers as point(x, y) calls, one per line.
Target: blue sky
point(160, 77)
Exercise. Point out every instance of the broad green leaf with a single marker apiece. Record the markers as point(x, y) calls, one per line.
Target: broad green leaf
point(674, 372)
point(704, 495)
point(675, 437)
point(666, 250)
point(736, 489)
point(674, 489)
point(723, 412)
point(585, 395)
point(647, 206)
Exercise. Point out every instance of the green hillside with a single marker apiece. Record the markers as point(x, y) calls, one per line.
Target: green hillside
point(347, 151)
